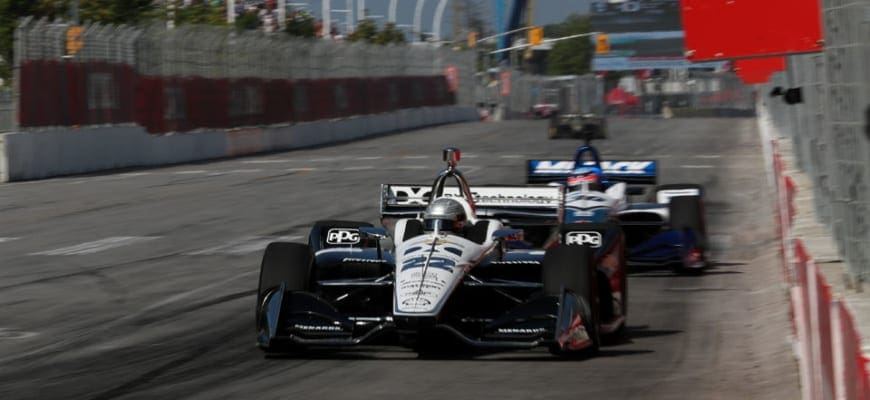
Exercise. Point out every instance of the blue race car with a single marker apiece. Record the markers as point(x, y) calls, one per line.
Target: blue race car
point(666, 229)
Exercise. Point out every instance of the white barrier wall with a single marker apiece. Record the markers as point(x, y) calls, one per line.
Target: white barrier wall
point(65, 151)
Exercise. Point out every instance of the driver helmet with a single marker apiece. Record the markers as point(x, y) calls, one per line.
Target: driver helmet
point(444, 214)
point(585, 177)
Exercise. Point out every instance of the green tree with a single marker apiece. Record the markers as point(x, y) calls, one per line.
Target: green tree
point(10, 13)
point(248, 21)
point(390, 34)
point(571, 56)
point(200, 13)
point(115, 12)
point(366, 30)
point(300, 23)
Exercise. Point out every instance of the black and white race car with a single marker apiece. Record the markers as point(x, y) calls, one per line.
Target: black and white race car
point(455, 273)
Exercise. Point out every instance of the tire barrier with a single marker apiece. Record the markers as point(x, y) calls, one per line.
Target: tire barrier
point(831, 360)
point(59, 93)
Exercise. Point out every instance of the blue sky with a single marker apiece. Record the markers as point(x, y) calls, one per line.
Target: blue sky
point(546, 11)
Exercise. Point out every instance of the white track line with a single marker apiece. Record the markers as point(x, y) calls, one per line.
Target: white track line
point(7, 239)
point(96, 246)
point(273, 161)
point(190, 172)
point(690, 166)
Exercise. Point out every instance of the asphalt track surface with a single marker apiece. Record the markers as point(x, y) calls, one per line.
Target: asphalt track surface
point(140, 284)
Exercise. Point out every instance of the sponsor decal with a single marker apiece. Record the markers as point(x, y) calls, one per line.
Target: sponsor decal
point(434, 262)
point(575, 337)
point(318, 328)
point(592, 238)
point(608, 167)
point(419, 195)
point(627, 167)
point(552, 167)
point(521, 331)
point(416, 302)
point(363, 260)
point(341, 236)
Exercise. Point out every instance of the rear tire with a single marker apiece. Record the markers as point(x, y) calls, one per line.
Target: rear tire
point(287, 263)
point(687, 213)
point(573, 268)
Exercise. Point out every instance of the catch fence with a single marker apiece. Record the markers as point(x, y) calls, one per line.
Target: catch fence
point(214, 77)
point(688, 94)
point(829, 127)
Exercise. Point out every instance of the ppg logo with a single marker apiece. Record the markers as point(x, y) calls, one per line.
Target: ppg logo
point(593, 239)
point(342, 236)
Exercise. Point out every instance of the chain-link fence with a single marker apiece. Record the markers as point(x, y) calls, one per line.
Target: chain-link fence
point(687, 93)
point(112, 74)
point(520, 93)
point(829, 128)
point(7, 110)
point(574, 94)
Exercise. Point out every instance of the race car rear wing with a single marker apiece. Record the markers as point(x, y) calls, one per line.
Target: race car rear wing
point(513, 205)
point(638, 172)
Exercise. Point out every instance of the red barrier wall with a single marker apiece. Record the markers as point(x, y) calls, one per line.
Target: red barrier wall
point(61, 93)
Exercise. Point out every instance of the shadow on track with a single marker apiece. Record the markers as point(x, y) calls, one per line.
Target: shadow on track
point(459, 353)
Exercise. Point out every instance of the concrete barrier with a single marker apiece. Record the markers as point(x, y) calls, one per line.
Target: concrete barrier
point(66, 151)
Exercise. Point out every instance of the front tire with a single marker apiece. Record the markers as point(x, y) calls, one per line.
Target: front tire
point(283, 263)
point(687, 214)
point(572, 267)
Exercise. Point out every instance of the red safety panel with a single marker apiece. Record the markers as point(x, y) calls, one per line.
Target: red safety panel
point(321, 98)
point(278, 107)
point(730, 29)
point(358, 96)
point(376, 100)
point(150, 103)
point(73, 109)
point(301, 99)
point(758, 70)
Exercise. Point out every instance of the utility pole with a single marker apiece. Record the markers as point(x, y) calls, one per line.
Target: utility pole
point(436, 22)
point(350, 24)
point(170, 14)
point(458, 19)
point(282, 14)
point(231, 11)
point(418, 19)
point(391, 15)
point(326, 16)
point(74, 12)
